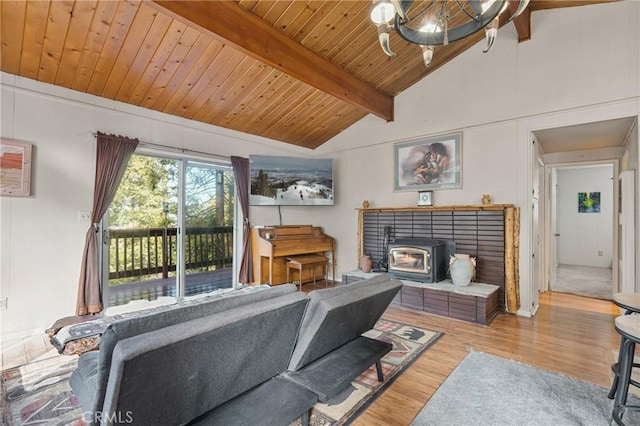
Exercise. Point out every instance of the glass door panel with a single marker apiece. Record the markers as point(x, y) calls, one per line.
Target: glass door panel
point(208, 238)
point(141, 239)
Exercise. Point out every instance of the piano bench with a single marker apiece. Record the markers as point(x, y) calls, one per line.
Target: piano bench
point(310, 261)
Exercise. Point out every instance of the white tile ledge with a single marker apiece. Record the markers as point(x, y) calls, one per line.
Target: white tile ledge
point(473, 289)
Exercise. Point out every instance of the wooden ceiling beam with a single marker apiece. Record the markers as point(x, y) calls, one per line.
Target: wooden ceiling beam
point(522, 22)
point(229, 23)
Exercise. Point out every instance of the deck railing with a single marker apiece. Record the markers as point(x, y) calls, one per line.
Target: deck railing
point(152, 252)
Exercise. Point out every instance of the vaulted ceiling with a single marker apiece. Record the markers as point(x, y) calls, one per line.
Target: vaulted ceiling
point(295, 71)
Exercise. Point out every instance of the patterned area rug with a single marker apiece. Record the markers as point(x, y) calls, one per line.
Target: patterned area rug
point(409, 343)
point(39, 393)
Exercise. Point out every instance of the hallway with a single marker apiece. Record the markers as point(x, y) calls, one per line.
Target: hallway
point(589, 281)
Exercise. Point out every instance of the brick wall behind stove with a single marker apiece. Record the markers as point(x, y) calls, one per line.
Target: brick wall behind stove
point(477, 233)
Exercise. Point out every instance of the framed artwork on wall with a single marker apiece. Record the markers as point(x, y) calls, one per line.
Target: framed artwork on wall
point(430, 163)
point(588, 202)
point(290, 181)
point(15, 168)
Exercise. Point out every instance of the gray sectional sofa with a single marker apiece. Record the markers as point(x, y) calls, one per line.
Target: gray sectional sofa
point(258, 358)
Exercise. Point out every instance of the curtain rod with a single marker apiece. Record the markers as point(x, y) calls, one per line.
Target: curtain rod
point(182, 150)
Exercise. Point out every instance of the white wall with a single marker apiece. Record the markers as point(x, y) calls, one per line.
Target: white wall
point(584, 235)
point(497, 100)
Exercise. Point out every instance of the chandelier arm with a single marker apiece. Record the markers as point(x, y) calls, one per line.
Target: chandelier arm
point(406, 4)
point(437, 38)
point(490, 41)
point(397, 5)
point(491, 38)
point(383, 37)
point(473, 6)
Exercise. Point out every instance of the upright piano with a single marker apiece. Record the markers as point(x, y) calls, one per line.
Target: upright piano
point(272, 245)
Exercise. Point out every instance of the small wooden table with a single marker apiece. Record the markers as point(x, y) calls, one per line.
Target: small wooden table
point(308, 261)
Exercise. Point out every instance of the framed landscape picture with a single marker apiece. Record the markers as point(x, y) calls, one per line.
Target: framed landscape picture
point(15, 168)
point(431, 163)
point(290, 181)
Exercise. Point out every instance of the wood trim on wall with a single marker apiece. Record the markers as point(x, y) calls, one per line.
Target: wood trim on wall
point(511, 214)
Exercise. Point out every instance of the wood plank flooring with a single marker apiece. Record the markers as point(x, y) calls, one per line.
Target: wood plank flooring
point(570, 334)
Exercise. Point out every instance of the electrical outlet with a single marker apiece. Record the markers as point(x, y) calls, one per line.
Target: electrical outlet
point(84, 216)
point(600, 253)
point(3, 303)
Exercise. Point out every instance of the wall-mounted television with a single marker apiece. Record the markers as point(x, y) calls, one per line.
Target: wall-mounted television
point(291, 181)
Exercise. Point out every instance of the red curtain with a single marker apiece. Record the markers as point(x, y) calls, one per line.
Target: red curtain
point(112, 156)
point(241, 175)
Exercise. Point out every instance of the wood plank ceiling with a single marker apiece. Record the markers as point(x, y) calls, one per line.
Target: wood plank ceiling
point(301, 73)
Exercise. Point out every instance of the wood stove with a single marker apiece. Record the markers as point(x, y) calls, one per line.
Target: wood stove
point(418, 260)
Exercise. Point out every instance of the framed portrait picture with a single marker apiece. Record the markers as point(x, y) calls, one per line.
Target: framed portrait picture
point(15, 168)
point(427, 164)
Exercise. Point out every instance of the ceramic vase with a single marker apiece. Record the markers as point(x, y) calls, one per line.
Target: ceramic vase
point(365, 264)
point(462, 268)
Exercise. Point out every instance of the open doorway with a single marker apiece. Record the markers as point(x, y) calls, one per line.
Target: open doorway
point(582, 212)
point(576, 155)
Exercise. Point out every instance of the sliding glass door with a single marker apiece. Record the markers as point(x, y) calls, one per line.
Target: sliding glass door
point(169, 230)
point(208, 219)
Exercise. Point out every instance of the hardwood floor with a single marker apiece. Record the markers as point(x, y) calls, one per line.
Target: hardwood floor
point(570, 334)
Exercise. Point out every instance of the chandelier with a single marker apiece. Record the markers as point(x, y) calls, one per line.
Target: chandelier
point(438, 22)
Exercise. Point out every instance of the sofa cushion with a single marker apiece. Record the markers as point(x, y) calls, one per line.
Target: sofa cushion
point(84, 379)
point(329, 375)
point(177, 373)
point(275, 402)
point(164, 318)
point(338, 315)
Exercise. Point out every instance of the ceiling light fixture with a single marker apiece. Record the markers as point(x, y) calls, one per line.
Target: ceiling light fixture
point(438, 22)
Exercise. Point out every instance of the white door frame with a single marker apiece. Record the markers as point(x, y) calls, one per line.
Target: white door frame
point(550, 258)
point(627, 232)
point(537, 225)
